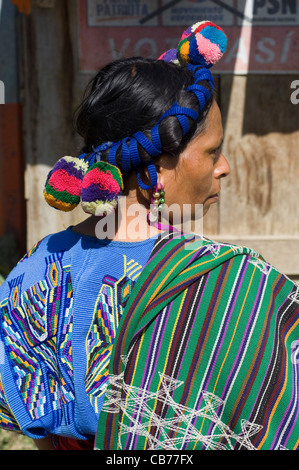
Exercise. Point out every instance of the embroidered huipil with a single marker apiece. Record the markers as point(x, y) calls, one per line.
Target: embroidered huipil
point(60, 308)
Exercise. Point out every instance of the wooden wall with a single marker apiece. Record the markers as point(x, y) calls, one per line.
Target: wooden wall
point(51, 89)
point(259, 202)
point(12, 202)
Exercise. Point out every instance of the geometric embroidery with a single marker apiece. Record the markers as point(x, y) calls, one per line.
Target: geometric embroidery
point(67, 328)
point(295, 296)
point(184, 424)
point(111, 301)
point(32, 251)
point(6, 417)
point(31, 336)
point(214, 249)
point(264, 267)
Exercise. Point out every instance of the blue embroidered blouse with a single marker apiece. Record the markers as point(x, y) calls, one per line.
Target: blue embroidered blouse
point(60, 308)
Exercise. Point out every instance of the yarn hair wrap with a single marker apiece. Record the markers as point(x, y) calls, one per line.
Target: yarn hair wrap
point(98, 184)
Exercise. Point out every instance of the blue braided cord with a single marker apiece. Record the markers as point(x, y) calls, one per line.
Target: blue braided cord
point(82, 156)
point(201, 74)
point(202, 94)
point(201, 99)
point(103, 147)
point(91, 159)
point(153, 176)
point(146, 144)
point(125, 156)
point(156, 137)
point(95, 156)
point(100, 149)
point(184, 123)
point(176, 110)
point(133, 147)
point(211, 83)
point(202, 90)
point(112, 153)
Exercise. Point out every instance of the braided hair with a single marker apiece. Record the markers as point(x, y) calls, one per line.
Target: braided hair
point(125, 98)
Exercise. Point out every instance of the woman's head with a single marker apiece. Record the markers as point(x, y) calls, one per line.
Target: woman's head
point(130, 96)
point(136, 114)
point(195, 178)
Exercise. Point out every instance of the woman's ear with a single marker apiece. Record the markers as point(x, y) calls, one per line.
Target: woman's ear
point(166, 163)
point(158, 165)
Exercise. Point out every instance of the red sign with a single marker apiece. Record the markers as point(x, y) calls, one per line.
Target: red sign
point(111, 30)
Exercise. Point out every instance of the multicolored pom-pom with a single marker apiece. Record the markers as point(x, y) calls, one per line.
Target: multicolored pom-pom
point(101, 187)
point(203, 44)
point(63, 186)
point(170, 56)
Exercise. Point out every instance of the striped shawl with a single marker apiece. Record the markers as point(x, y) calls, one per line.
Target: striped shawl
point(206, 354)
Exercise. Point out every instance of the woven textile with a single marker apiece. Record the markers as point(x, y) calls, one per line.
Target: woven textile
point(206, 354)
point(59, 312)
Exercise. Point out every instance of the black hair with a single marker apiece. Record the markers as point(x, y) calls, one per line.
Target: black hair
point(131, 95)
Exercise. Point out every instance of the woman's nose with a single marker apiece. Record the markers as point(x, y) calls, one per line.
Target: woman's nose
point(223, 168)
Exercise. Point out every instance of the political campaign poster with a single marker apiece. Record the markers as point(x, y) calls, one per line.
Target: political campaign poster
point(263, 35)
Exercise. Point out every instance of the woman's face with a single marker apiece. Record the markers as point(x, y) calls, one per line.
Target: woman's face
point(196, 177)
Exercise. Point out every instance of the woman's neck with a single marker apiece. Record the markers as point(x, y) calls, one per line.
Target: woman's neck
point(128, 223)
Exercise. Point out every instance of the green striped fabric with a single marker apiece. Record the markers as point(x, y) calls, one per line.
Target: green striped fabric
point(206, 354)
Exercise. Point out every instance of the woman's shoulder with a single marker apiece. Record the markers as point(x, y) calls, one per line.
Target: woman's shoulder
point(31, 267)
point(50, 244)
point(197, 255)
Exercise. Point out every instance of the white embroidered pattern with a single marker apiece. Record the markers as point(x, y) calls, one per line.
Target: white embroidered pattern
point(295, 296)
point(264, 267)
point(137, 403)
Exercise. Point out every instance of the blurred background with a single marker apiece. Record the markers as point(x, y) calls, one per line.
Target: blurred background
point(50, 49)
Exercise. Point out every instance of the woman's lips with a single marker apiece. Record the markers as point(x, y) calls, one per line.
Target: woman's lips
point(215, 197)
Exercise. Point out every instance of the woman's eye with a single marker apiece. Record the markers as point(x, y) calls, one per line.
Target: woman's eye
point(216, 154)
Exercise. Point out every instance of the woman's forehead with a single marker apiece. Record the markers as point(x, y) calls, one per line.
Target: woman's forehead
point(212, 129)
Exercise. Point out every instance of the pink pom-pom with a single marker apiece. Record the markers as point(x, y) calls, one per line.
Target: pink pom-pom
point(203, 44)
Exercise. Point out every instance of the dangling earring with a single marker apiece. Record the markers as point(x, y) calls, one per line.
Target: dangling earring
point(157, 206)
point(157, 203)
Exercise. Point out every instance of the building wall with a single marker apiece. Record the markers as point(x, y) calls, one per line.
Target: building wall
point(12, 202)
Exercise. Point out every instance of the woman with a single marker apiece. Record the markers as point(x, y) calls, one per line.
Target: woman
point(153, 134)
